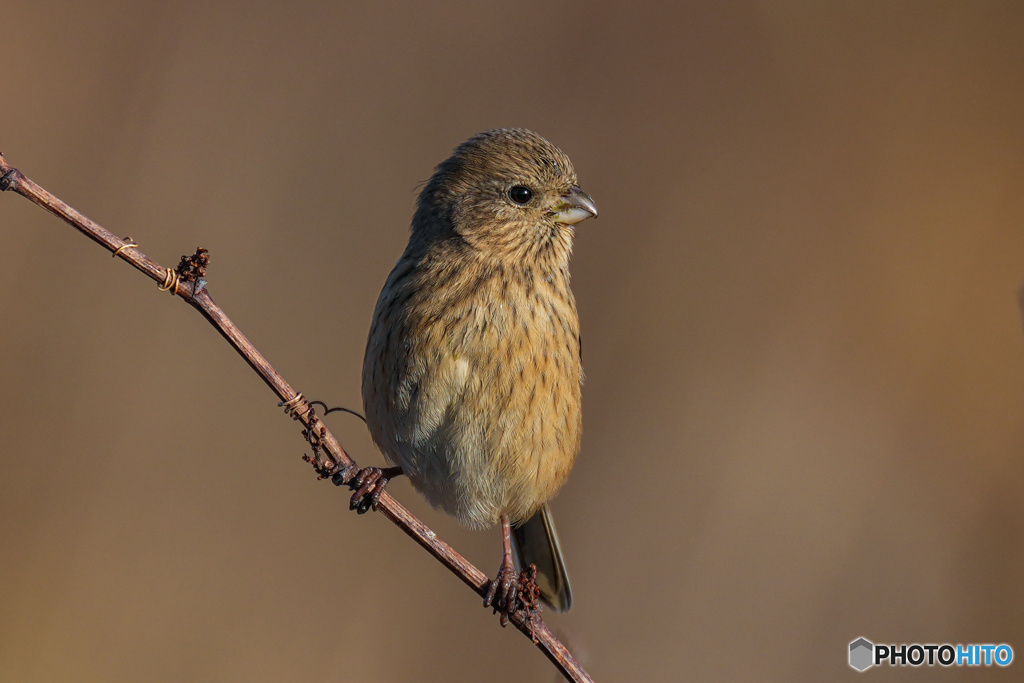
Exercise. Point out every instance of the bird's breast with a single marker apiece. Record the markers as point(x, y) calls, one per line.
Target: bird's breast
point(488, 402)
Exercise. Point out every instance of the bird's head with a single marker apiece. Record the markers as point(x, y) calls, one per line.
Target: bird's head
point(508, 194)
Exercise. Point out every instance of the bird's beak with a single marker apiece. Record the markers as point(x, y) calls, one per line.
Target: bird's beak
point(573, 207)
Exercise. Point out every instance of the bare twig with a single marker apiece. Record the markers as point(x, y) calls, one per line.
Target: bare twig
point(186, 281)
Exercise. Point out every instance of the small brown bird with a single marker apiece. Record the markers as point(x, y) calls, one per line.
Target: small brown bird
point(472, 375)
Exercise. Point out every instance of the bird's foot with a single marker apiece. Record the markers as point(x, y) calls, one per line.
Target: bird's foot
point(368, 484)
point(503, 591)
point(509, 593)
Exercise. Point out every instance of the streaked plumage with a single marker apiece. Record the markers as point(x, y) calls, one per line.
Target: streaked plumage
point(472, 374)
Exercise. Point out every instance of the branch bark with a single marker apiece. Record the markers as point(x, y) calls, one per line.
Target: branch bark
point(196, 294)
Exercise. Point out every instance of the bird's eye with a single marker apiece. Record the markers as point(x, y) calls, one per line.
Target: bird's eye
point(520, 194)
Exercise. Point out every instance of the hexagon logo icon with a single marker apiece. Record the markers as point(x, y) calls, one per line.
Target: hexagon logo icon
point(861, 651)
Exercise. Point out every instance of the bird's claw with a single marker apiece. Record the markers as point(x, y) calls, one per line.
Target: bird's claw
point(503, 592)
point(368, 484)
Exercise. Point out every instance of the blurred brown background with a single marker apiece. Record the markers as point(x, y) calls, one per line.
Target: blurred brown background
point(805, 359)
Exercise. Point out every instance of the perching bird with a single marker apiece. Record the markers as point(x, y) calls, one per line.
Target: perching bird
point(472, 374)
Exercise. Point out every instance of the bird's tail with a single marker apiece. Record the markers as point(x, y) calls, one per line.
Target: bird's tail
point(535, 541)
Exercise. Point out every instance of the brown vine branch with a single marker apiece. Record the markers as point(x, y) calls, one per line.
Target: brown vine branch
point(186, 281)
